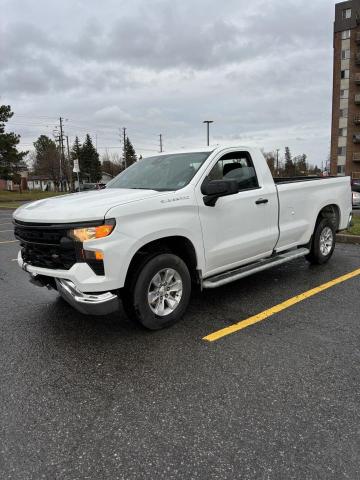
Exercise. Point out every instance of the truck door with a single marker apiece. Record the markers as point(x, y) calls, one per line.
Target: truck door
point(241, 227)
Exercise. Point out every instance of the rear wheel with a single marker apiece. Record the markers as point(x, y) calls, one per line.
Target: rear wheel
point(159, 292)
point(323, 242)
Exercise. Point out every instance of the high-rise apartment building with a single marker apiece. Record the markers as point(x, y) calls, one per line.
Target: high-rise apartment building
point(345, 130)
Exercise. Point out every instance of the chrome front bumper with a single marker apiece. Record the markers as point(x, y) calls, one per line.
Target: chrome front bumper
point(87, 303)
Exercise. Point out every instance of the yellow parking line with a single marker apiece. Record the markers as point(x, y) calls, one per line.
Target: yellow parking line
point(278, 308)
point(10, 241)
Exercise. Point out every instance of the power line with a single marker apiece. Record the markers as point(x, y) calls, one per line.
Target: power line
point(102, 147)
point(34, 116)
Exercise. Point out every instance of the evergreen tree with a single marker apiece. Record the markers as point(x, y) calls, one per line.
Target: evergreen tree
point(47, 158)
point(289, 164)
point(90, 166)
point(75, 150)
point(130, 154)
point(11, 161)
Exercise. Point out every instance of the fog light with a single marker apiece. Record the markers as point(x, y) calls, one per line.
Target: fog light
point(95, 261)
point(99, 255)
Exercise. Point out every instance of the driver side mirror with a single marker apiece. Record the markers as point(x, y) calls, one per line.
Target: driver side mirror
point(215, 189)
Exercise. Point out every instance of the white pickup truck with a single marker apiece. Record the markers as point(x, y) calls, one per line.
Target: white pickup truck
point(204, 217)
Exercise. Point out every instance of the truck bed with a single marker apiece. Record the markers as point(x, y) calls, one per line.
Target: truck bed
point(301, 198)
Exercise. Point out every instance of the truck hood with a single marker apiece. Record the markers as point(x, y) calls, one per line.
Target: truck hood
point(80, 207)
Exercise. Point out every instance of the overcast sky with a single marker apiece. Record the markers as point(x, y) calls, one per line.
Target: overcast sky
point(262, 70)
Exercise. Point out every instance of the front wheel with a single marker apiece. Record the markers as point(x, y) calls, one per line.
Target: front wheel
point(323, 242)
point(159, 294)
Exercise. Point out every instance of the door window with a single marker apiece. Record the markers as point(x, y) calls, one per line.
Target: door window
point(236, 166)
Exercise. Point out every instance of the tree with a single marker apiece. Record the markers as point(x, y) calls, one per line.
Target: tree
point(271, 161)
point(301, 165)
point(90, 166)
point(314, 170)
point(11, 161)
point(75, 150)
point(130, 154)
point(112, 165)
point(47, 159)
point(289, 164)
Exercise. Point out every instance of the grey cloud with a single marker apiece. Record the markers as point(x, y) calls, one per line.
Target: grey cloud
point(173, 37)
point(260, 68)
point(173, 44)
point(36, 77)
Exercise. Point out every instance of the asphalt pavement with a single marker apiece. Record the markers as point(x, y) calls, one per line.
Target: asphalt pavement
point(99, 398)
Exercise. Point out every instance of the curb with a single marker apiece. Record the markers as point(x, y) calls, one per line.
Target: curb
point(344, 238)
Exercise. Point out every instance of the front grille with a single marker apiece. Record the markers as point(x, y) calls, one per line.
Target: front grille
point(46, 246)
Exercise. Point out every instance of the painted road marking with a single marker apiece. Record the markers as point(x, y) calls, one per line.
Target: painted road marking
point(10, 241)
point(8, 223)
point(278, 308)
point(2, 231)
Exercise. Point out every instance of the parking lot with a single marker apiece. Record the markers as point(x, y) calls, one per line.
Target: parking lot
point(99, 398)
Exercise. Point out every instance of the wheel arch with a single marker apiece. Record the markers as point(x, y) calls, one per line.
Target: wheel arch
point(179, 245)
point(331, 211)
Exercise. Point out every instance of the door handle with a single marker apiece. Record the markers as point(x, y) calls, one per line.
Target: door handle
point(261, 200)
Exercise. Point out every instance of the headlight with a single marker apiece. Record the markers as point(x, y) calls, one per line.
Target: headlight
point(92, 233)
point(356, 195)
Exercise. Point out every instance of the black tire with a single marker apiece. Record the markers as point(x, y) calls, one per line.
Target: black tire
point(316, 255)
point(135, 295)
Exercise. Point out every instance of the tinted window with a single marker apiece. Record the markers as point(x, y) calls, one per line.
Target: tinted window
point(236, 166)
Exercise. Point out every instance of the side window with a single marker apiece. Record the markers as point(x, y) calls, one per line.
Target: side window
point(236, 166)
point(346, 13)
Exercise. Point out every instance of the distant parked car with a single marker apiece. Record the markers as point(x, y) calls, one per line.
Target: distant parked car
point(355, 187)
point(90, 186)
point(356, 199)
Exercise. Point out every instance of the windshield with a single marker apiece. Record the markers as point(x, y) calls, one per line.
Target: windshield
point(163, 172)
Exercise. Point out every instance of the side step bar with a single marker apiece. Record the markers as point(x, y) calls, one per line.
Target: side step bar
point(259, 266)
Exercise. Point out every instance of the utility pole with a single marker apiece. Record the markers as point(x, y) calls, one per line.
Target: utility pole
point(277, 161)
point(124, 140)
point(61, 140)
point(161, 143)
point(70, 166)
point(208, 130)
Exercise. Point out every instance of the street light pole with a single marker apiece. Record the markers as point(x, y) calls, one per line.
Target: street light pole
point(277, 161)
point(208, 130)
